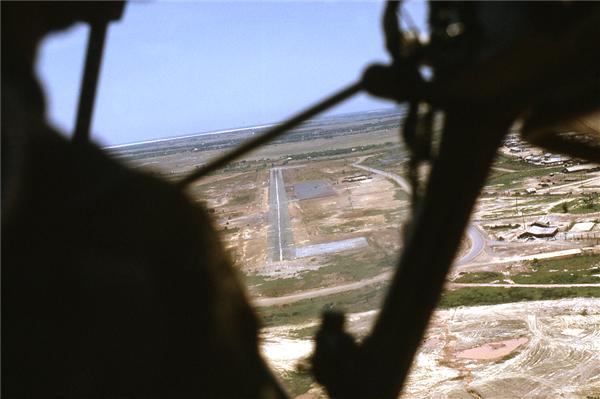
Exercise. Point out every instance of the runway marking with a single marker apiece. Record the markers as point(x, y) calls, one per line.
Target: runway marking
point(278, 215)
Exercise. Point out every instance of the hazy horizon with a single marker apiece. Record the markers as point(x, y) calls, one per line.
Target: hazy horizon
point(179, 69)
point(240, 128)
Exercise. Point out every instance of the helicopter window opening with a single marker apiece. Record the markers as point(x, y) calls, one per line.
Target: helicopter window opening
point(179, 69)
point(61, 80)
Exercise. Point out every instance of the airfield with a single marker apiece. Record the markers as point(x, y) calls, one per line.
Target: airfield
point(314, 221)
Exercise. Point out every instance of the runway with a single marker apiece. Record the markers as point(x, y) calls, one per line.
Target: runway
point(280, 242)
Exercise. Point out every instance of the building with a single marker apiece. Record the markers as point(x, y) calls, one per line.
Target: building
point(543, 221)
point(588, 167)
point(539, 232)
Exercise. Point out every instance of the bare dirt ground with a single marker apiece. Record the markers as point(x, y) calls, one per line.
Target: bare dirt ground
point(558, 351)
point(544, 349)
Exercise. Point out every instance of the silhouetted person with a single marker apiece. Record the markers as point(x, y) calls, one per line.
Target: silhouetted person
point(113, 284)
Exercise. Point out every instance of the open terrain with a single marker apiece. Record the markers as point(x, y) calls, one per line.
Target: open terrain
point(314, 221)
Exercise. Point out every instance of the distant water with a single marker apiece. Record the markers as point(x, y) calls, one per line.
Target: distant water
point(188, 136)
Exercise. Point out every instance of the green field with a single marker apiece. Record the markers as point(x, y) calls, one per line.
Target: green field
point(473, 296)
point(514, 179)
point(360, 300)
point(480, 277)
point(588, 203)
point(340, 269)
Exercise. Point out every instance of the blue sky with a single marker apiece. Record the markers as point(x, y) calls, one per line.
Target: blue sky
point(179, 68)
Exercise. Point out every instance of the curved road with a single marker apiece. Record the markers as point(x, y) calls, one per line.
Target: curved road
point(402, 182)
point(477, 244)
point(318, 292)
point(475, 236)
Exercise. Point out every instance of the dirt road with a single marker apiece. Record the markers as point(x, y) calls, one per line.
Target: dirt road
point(564, 253)
point(283, 300)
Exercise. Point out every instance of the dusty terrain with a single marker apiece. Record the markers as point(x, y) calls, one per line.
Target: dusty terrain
point(543, 349)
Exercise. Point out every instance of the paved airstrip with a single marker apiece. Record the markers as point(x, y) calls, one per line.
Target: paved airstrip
point(280, 239)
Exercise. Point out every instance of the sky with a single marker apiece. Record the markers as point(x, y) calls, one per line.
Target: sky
point(179, 68)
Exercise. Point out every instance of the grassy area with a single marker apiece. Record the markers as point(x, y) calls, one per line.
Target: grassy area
point(585, 204)
point(393, 156)
point(234, 181)
point(508, 213)
point(474, 296)
point(513, 163)
point(513, 179)
point(574, 270)
point(480, 277)
point(242, 197)
point(503, 227)
point(347, 227)
point(360, 300)
point(339, 270)
point(246, 166)
point(334, 152)
point(539, 199)
point(557, 278)
point(573, 263)
point(370, 298)
point(329, 170)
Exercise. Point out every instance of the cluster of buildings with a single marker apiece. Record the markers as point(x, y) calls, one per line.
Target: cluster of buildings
point(535, 156)
point(544, 228)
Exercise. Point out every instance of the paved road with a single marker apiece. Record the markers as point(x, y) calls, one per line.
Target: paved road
point(402, 182)
point(280, 239)
point(477, 245)
point(476, 236)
